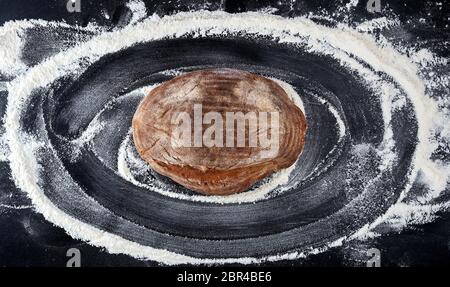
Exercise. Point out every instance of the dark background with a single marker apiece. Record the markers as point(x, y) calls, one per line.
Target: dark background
point(20, 245)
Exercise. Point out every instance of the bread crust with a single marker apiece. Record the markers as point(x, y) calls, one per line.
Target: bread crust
point(216, 170)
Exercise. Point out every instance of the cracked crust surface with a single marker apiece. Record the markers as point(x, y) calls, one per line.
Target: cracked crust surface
point(216, 170)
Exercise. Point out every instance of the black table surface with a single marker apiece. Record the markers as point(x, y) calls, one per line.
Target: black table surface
point(423, 245)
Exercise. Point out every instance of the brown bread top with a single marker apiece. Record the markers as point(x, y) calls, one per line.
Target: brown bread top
point(217, 170)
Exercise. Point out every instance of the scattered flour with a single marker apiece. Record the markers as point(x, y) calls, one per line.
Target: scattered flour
point(138, 10)
point(378, 23)
point(351, 4)
point(11, 63)
point(4, 150)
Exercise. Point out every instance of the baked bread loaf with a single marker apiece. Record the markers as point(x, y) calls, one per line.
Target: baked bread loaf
point(218, 131)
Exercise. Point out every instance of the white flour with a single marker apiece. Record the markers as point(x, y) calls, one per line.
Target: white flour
point(10, 33)
point(336, 42)
point(138, 10)
point(378, 23)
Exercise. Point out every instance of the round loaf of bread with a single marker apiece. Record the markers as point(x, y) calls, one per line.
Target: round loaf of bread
point(218, 131)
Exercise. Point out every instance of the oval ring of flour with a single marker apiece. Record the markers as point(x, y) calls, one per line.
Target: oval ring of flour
point(25, 169)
